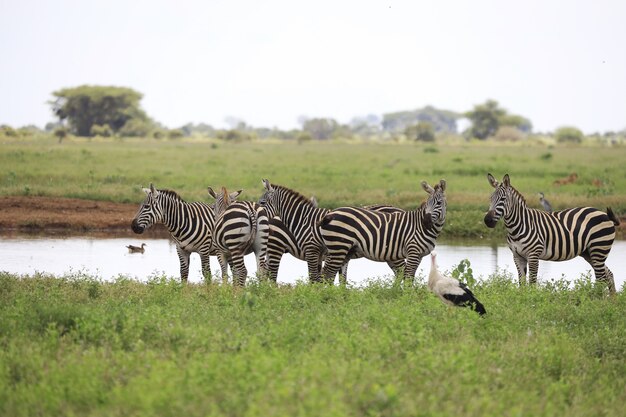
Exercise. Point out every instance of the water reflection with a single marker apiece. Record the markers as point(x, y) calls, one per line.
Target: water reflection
point(108, 258)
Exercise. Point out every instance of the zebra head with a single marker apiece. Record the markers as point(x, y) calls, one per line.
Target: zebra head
point(270, 199)
point(435, 206)
point(498, 204)
point(150, 211)
point(223, 199)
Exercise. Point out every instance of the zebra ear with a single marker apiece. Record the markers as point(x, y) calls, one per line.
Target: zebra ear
point(314, 201)
point(442, 184)
point(153, 190)
point(233, 196)
point(427, 187)
point(146, 190)
point(211, 192)
point(492, 180)
point(506, 180)
point(267, 185)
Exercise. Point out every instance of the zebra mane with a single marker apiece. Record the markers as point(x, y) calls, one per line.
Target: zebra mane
point(172, 195)
point(299, 197)
point(517, 194)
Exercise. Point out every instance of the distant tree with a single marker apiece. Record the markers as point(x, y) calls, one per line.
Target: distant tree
point(485, 119)
point(320, 128)
point(175, 134)
point(86, 106)
point(423, 131)
point(441, 120)
point(569, 134)
point(520, 123)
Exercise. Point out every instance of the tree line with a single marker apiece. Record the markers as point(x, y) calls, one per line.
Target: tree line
point(106, 111)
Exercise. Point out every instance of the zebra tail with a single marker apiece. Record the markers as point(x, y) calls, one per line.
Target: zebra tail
point(612, 216)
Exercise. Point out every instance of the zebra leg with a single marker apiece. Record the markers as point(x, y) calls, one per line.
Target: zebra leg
point(183, 257)
point(224, 267)
point(600, 270)
point(332, 265)
point(412, 263)
point(205, 260)
point(273, 263)
point(533, 267)
point(313, 263)
point(520, 264)
point(343, 274)
point(240, 273)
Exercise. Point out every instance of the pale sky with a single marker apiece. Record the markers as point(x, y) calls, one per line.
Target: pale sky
point(560, 62)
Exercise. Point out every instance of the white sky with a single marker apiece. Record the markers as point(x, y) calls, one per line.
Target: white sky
point(560, 62)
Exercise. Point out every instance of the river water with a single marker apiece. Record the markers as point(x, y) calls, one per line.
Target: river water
point(108, 258)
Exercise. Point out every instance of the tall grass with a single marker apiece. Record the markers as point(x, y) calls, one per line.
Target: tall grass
point(336, 173)
point(78, 346)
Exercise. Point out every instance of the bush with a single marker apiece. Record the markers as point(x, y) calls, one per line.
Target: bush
point(135, 128)
point(101, 130)
point(7, 130)
point(423, 131)
point(175, 134)
point(568, 134)
point(508, 134)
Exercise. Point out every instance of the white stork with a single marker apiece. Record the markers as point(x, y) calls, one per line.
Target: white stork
point(452, 291)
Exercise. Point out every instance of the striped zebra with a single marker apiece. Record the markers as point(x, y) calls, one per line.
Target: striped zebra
point(190, 225)
point(241, 227)
point(294, 229)
point(551, 236)
point(390, 237)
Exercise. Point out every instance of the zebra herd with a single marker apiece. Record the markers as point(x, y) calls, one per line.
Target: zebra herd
point(285, 221)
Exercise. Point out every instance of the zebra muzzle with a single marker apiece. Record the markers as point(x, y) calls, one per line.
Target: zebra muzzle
point(136, 227)
point(490, 221)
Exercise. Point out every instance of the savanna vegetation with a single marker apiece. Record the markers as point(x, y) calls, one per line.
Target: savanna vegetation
point(336, 172)
point(77, 346)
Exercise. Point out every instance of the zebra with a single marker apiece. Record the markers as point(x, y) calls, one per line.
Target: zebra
point(551, 236)
point(241, 227)
point(294, 229)
point(383, 236)
point(190, 225)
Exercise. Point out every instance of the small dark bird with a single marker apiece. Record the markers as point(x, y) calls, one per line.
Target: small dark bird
point(545, 203)
point(452, 291)
point(136, 249)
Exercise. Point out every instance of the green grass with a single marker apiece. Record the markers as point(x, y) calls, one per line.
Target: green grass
point(76, 346)
point(337, 173)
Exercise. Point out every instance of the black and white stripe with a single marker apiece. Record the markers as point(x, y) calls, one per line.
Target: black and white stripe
point(191, 226)
point(557, 236)
point(294, 229)
point(380, 236)
point(241, 227)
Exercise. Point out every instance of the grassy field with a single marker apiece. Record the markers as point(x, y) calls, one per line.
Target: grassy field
point(77, 346)
point(336, 173)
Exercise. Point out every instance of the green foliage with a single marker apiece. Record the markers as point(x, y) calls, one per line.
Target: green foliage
point(423, 132)
point(86, 106)
point(136, 128)
point(487, 118)
point(103, 131)
point(568, 134)
point(8, 131)
point(320, 128)
point(79, 346)
point(464, 273)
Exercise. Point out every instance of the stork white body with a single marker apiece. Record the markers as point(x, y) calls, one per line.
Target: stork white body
point(451, 291)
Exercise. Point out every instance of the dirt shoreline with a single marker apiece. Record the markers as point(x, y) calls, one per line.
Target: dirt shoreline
point(54, 215)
